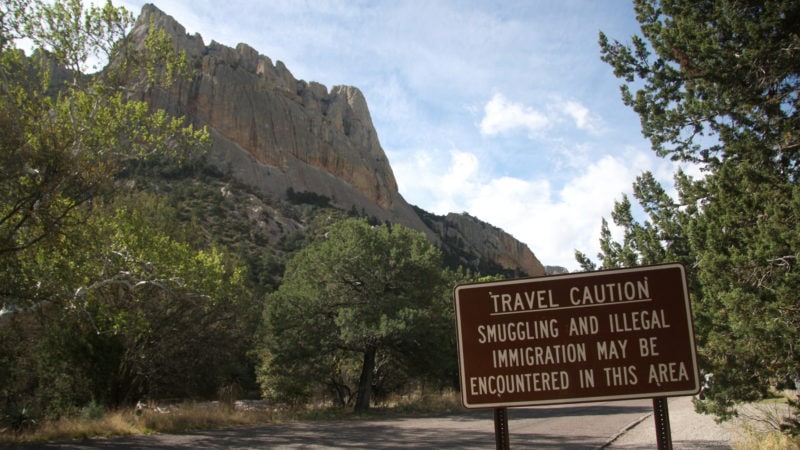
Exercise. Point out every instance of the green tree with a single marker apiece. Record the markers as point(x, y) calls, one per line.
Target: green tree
point(162, 300)
point(716, 83)
point(660, 238)
point(64, 137)
point(126, 310)
point(358, 300)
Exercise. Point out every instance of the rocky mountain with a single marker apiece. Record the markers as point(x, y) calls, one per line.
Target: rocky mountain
point(280, 135)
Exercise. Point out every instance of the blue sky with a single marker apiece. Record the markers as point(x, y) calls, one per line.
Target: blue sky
point(501, 109)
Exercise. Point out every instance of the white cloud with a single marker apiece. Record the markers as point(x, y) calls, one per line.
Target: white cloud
point(552, 220)
point(583, 119)
point(554, 223)
point(502, 115)
point(444, 180)
point(458, 179)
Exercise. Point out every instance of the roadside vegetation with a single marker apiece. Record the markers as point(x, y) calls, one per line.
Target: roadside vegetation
point(763, 424)
point(95, 422)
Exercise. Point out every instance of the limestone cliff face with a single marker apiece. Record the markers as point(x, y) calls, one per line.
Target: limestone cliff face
point(275, 132)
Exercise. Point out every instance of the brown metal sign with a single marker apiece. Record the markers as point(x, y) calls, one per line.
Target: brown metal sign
point(609, 335)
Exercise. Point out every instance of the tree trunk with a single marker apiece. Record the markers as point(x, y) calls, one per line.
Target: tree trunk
point(365, 381)
point(342, 393)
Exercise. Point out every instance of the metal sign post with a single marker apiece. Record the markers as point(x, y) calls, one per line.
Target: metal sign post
point(501, 429)
point(661, 417)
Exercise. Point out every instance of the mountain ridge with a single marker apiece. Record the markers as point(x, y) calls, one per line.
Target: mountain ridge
point(278, 135)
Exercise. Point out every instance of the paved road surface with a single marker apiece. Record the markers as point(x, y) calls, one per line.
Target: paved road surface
point(582, 426)
point(689, 430)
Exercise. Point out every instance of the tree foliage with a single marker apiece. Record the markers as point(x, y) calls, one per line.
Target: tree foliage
point(103, 299)
point(65, 135)
point(661, 237)
point(124, 315)
point(715, 83)
point(357, 306)
point(718, 79)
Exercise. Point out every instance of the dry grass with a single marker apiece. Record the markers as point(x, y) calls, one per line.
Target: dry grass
point(437, 403)
point(112, 424)
point(759, 425)
point(202, 417)
point(747, 438)
point(206, 416)
point(184, 417)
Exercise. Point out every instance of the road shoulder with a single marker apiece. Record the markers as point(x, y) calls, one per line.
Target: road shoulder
point(690, 430)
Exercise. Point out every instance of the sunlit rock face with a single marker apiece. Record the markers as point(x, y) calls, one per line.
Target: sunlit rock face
point(275, 133)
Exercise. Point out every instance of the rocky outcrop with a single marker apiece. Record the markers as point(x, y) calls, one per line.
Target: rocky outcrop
point(276, 133)
point(471, 236)
point(555, 270)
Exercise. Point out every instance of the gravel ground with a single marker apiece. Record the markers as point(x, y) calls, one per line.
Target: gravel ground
point(690, 430)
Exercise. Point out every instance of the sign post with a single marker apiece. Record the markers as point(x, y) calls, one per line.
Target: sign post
point(661, 417)
point(501, 429)
point(594, 336)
